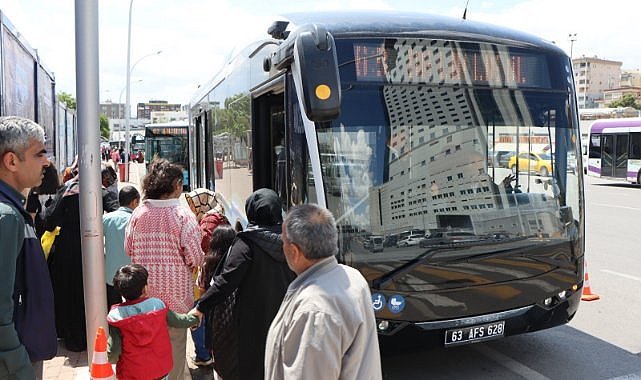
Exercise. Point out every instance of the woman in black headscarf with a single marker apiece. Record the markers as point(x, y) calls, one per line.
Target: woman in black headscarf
point(247, 290)
point(65, 262)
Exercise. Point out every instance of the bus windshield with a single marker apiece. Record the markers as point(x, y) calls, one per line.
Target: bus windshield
point(484, 157)
point(169, 142)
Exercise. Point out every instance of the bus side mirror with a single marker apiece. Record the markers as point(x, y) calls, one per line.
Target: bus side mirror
point(316, 54)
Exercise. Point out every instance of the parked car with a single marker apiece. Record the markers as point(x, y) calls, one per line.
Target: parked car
point(409, 240)
point(540, 163)
point(449, 237)
point(500, 158)
point(375, 243)
point(499, 236)
point(390, 241)
point(367, 244)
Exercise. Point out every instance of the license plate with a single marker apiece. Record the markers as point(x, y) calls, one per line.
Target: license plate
point(474, 334)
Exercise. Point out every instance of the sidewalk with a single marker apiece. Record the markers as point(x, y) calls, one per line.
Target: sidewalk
point(136, 172)
point(69, 365)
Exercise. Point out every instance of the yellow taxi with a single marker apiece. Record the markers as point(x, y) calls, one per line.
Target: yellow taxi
point(540, 163)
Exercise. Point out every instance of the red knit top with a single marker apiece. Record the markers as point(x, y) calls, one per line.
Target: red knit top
point(164, 237)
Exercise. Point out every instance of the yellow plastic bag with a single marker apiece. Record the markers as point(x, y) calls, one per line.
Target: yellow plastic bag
point(47, 240)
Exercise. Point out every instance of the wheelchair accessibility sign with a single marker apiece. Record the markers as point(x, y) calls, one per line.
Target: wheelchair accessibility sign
point(396, 303)
point(378, 301)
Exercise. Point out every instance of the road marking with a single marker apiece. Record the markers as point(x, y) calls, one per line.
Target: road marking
point(625, 207)
point(509, 363)
point(635, 278)
point(628, 377)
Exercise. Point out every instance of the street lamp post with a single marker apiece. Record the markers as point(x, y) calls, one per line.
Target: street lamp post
point(119, 109)
point(128, 85)
point(128, 106)
point(572, 37)
point(127, 113)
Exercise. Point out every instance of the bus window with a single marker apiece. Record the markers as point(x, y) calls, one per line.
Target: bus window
point(279, 157)
point(299, 167)
point(595, 146)
point(635, 146)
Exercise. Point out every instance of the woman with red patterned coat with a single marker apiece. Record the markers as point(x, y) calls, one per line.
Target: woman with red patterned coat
point(164, 237)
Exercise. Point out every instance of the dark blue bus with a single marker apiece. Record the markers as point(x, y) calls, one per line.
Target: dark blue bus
point(391, 121)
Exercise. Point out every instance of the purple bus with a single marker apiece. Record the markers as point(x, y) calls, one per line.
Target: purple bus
point(615, 149)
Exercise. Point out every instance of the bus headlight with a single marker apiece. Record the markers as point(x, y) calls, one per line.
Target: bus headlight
point(547, 301)
point(383, 325)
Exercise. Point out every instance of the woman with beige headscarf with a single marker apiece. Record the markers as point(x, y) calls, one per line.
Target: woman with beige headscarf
point(210, 214)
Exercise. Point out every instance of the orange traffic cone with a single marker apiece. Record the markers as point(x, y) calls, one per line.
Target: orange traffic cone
point(587, 293)
point(100, 366)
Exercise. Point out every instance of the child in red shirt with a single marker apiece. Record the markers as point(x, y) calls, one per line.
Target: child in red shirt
point(138, 336)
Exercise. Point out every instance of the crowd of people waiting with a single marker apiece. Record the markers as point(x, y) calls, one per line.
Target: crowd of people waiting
point(269, 301)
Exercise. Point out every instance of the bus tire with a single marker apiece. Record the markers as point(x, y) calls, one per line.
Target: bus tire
point(639, 178)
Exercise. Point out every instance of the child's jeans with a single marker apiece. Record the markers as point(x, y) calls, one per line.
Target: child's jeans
point(198, 336)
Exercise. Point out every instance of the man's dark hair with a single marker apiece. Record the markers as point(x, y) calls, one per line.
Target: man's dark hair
point(130, 280)
point(127, 195)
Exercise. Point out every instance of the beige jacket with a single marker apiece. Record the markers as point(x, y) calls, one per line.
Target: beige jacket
point(325, 328)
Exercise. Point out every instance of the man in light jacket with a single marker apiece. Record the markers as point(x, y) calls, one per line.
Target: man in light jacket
point(325, 327)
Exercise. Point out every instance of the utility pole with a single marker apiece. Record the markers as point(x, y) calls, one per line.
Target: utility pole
point(93, 262)
point(127, 100)
point(572, 37)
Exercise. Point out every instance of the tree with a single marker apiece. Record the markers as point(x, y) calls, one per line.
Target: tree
point(104, 126)
point(67, 99)
point(235, 116)
point(626, 100)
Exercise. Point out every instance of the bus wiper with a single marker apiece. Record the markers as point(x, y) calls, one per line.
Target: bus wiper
point(512, 251)
point(379, 282)
point(387, 277)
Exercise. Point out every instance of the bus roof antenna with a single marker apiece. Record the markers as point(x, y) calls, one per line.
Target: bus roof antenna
point(465, 11)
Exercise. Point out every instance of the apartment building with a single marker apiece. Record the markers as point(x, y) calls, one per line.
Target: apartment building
point(631, 78)
point(113, 110)
point(144, 110)
point(617, 93)
point(592, 76)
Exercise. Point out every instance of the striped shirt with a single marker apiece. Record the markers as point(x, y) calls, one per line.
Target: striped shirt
point(164, 237)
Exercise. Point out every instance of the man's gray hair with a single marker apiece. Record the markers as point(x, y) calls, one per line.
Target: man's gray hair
point(313, 230)
point(17, 134)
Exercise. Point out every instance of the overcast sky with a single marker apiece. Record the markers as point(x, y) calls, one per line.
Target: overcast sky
point(196, 36)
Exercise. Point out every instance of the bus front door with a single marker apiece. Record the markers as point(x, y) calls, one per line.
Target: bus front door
point(621, 156)
point(607, 155)
point(614, 155)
